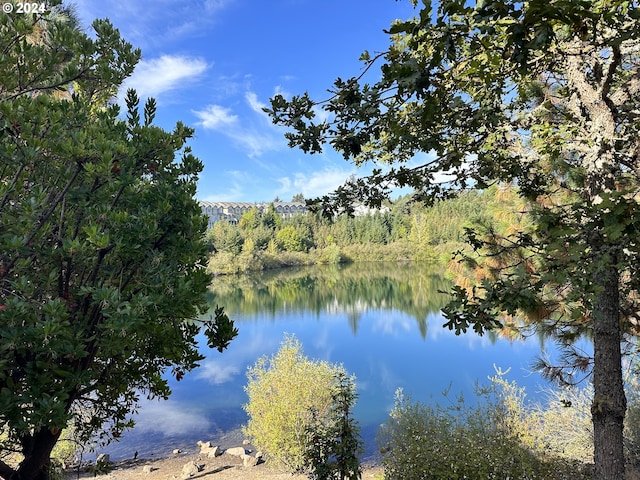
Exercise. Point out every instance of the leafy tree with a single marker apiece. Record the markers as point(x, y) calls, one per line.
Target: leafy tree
point(250, 219)
point(298, 197)
point(225, 237)
point(333, 448)
point(371, 228)
point(305, 226)
point(102, 257)
point(291, 395)
point(542, 95)
point(271, 219)
point(289, 239)
point(260, 236)
point(419, 236)
point(345, 232)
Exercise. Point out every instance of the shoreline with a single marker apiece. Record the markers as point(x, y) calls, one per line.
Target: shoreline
point(162, 449)
point(197, 464)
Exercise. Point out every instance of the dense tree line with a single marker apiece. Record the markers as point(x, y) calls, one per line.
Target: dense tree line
point(406, 230)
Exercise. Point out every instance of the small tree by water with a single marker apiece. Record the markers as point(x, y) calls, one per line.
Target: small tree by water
point(332, 449)
point(300, 413)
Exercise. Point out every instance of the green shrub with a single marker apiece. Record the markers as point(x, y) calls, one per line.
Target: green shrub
point(225, 237)
point(371, 252)
point(286, 259)
point(491, 440)
point(288, 238)
point(289, 393)
point(250, 261)
point(333, 449)
point(222, 263)
point(329, 255)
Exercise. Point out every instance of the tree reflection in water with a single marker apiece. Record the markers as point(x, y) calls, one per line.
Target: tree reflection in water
point(413, 289)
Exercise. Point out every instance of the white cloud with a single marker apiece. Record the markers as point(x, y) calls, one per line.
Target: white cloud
point(152, 23)
point(154, 77)
point(314, 184)
point(214, 5)
point(257, 142)
point(257, 106)
point(169, 418)
point(217, 371)
point(213, 117)
point(254, 132)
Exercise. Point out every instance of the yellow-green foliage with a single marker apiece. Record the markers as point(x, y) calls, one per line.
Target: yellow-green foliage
point(329, 254)
point(558, 426)
point(222, 263)
point(419, 237)
point(397, 251)
point(497, 438)
point(565, 428)
point(67, 447)
point(283, 392)
point(289, 239)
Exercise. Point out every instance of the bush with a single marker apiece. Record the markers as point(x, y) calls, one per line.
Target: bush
point(225, 237)
point(563, 425)
point(289, 396)
point(289, 239)
point(329, 255)
point(333, 449)
point(222, 263)
point(370, 252)
point(488, 441)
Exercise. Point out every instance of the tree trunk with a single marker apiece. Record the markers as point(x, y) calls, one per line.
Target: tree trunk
point(37, 457)
point(609, 403)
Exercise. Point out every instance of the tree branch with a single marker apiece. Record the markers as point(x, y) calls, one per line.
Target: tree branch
point(45, 216)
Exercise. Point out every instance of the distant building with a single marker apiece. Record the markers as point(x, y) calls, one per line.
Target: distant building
point(361, 210)
point(232, 211)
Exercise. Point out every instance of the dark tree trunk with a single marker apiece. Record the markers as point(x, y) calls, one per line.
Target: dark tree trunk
point(609, 402)
point(37, 456)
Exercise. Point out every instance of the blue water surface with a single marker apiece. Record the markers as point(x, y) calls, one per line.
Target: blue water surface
point(386, 350)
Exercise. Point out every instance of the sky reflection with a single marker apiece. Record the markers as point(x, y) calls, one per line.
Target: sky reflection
point(403, 346)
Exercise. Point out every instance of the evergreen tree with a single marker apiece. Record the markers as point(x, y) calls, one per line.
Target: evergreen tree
point(102, 257)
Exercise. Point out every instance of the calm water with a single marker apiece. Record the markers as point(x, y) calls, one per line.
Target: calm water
point(382, 321)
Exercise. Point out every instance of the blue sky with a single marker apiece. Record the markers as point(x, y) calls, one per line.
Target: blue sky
point(214, 64)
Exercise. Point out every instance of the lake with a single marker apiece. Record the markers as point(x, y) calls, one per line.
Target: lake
point(381, 321)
